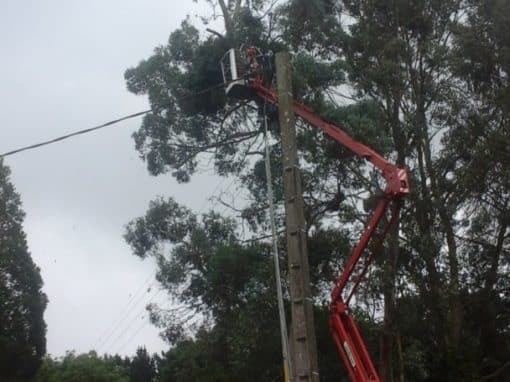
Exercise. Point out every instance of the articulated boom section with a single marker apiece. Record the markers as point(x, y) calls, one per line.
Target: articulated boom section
point(344, 330)
point(345, 333)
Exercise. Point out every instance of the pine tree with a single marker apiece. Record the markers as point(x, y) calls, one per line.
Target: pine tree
point(22, 302)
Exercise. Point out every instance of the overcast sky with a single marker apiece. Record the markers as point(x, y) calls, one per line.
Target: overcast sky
point(62, 70)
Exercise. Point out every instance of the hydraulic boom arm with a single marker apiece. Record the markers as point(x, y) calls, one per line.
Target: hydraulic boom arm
point(344, 330)
point(246, 79)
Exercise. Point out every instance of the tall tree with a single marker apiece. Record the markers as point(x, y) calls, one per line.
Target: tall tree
point(222, 286)
point(395, 53)
point(142, 367)
point(477, 157)
point(429, 88)
point(216, 283)
point(437, 69)
point(177, 136)
point(22, 302)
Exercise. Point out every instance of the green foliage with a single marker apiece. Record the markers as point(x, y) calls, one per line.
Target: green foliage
point(142, 367)
point(210, 272)
point(22, 302)
point(188, 120)
point(428, 88)
point(185, 66)
point(248, 349)
point(81, 368)
point(423, 65)
point(312, 25)
point(482, 54)
point(206, 257)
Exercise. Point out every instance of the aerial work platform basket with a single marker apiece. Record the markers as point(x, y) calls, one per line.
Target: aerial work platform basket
point(243, 67)
point(233, 68)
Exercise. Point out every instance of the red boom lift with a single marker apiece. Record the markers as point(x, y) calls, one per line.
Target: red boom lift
point(245, 73)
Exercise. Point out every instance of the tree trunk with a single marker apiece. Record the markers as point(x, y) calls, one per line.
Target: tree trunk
point(229, 27)
point(492, 274)
point(390, 265)
point(388, 331)
point(401, 369)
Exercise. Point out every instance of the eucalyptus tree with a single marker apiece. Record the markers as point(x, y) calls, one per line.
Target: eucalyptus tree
point(425, 83)
point(438, 72)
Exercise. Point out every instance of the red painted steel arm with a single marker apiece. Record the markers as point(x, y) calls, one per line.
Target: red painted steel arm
point(395, 176)
point(345, 333)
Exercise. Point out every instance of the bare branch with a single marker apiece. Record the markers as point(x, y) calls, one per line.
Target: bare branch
point(268, 10)
point(215, 33)
point(226, 15)
point(262, 237)
point(497, 372)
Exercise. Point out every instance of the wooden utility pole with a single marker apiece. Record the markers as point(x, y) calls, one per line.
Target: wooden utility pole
point(302, 342)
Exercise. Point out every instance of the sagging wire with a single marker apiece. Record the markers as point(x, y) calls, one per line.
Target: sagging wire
point(113, 122)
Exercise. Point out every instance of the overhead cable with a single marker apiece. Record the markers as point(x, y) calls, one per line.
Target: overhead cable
point(109, 123)
point(135, 297)
point(139, 315)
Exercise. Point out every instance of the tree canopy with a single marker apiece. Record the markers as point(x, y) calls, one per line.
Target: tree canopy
point(88, 367)
point(81, 368)
point(426, 84)
point(22, 302)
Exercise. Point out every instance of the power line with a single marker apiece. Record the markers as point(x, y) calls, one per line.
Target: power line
point(127, 309)
point(126, 312)
point(105, 341)
point(187, 326)
point(110, 340)
point(109, 123)
point(122, 316)
point(138, 315)
point(133, 320)
point(132, 337)
point(79, 132)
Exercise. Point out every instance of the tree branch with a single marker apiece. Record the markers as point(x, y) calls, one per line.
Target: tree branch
point(262, 237)
point(215, 33)
point(226, 15)
point(497, 372)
